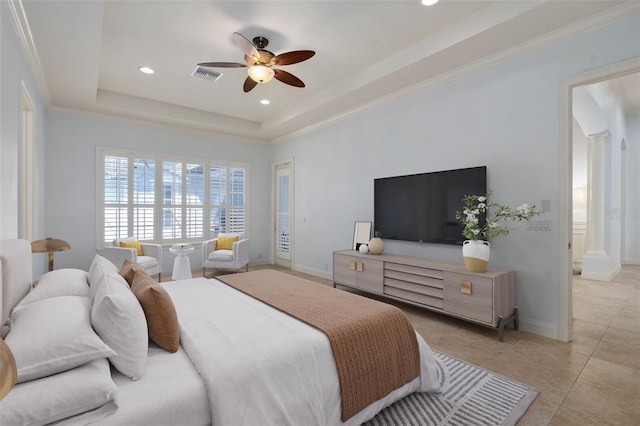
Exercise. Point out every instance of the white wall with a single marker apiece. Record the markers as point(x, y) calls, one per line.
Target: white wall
point(631, 209)
point(71, 178)
point(14, 70)
point(505, 117)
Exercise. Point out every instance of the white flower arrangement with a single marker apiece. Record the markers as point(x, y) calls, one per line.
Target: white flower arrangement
point(475, 205)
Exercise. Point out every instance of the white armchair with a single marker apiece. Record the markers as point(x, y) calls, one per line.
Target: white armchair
point(236, 258)
point(151, 259)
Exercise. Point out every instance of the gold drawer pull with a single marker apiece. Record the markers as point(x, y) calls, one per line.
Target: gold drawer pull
point(359, 266)
point(465, 287)
point(352, 265)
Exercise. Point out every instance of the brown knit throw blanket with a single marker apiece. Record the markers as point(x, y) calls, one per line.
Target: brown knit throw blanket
point(373, 343)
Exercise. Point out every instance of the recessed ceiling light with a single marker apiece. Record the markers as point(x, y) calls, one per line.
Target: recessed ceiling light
point(146, 70)
point(429, 2)
point(265, 101)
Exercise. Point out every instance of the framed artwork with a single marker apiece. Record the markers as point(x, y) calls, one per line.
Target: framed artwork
point(361, 234)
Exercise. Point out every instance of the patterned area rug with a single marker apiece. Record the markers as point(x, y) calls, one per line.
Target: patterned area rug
point(472, 396)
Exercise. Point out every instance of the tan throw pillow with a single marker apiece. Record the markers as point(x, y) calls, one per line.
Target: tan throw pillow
point(162, 320)
point(225, 243)
point(133, 244)
point(129, 269)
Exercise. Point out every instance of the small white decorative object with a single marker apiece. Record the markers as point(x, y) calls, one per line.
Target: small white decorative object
point(364, 249)
point(376, 245)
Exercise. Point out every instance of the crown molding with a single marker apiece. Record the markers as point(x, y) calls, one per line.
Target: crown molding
point(21, 27)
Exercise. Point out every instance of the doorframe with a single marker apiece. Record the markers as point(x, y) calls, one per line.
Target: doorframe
point(274, 177)
point(565, 204)
point(27, 170)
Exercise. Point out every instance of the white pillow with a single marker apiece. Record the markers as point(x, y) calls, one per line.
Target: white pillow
point(101, 266)
point(61, 282)
point(54, 335)
point(86, 389)
point(119, 320)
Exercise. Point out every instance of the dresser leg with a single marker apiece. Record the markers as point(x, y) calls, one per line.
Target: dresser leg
point(515, 317)
point(501, 329)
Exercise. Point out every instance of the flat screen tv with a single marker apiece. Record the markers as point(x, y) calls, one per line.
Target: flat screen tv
point(422, 207)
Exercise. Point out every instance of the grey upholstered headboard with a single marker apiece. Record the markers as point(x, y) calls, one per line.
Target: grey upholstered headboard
point(15, 276)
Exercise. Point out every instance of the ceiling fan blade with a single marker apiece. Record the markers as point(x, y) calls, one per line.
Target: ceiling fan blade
point(246, 46)
point(292, 57)
point(222, 65)
point(249, 84)
point(288, 78)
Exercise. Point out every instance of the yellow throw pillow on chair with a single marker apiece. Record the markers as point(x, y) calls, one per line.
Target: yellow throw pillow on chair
point(226, 243)
point(133, 244)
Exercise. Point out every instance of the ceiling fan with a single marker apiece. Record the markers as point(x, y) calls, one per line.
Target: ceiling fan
point(260, 62)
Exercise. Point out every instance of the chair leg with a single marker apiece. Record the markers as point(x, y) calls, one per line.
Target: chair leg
point(247, 267)
point(159, 277)
point(203, 274)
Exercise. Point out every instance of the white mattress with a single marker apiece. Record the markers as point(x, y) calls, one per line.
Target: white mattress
point(170, 393)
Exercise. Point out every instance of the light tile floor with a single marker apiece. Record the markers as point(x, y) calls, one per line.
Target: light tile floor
point(594, 380)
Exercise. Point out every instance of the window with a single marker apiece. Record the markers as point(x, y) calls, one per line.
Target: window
point(168, 199)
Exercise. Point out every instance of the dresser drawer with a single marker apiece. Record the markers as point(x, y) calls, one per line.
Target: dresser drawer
point(470, 296)
point(411, 278)
point(414, 270)
point(434, 302)
point(416, 288)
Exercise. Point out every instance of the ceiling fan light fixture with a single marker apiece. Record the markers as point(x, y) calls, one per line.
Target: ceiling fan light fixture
point(260, 73)
point(146, 70)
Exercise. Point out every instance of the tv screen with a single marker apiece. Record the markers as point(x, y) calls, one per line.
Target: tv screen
point(422, 207)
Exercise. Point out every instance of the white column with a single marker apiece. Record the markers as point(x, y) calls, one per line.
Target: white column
point(595, 195)
point(596, 263)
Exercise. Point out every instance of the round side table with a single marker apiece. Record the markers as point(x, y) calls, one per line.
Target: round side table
point(181, 264)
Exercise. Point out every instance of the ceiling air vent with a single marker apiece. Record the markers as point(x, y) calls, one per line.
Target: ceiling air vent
point(206, 73)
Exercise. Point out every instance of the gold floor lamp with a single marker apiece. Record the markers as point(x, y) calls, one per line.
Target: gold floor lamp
point(49, 245)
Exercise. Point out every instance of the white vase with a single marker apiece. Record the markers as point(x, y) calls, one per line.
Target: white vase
point(476, 255)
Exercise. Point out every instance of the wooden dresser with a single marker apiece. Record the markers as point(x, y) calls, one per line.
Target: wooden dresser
point(484, 298)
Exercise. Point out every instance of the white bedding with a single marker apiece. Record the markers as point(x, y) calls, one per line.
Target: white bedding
point(241, 362)
point(261, 366)
point(170, 393)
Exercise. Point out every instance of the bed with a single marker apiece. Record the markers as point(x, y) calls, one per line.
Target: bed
point(240, 360)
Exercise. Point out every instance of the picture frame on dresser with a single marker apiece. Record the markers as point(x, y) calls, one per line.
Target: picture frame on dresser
point(361, 233)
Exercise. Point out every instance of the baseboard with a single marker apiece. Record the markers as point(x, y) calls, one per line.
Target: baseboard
point(538, 327)
point(259, 262)
point(631, 261)
point(313, 271)
point(601, 276)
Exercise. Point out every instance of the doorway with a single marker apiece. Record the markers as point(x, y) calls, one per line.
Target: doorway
point(283, 213)
point(566, 200)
